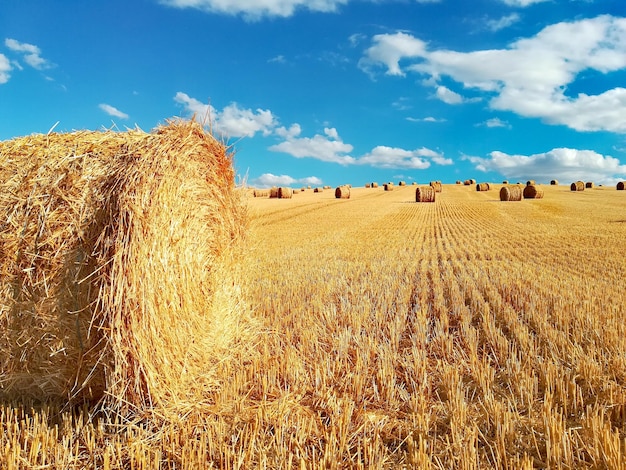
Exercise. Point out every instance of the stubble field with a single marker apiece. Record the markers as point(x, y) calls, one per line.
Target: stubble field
point(465, 333)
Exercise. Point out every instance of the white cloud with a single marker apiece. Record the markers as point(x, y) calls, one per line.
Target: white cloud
point(426, 119)
point(112, 111)
point(531, 76)
point(561, 163)
point(503, 22)
point(448, 96)
point(32, 54)
point(232, 121)
point(389, 49)
point(268, 180)
point(495, 122)
point(257, 9)
point(5, 69)
point(391, 157)
point(522, 3)
point(327, 148)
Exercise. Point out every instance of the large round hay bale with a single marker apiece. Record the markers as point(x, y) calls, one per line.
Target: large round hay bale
point(532, 191)
point(483, 187)
point(273, 192)
point(621, 185)
point(342, 192)
point(318, 190)
point(589, 184)
point(261, 192)
point(115, 279)
point(374, 185)
point(388, 186)
point(284, 193)
point(554, 182)
point(425, 194)
point(577, 186)
point(402, 183)
point(511, 193)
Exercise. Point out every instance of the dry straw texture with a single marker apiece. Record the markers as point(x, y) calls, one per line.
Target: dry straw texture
point(425, 194)
point(511, 193)
point(285, 193)
point(532, 191)
point(273, 192)
point(577, 186)
point(621, 186)
point(261, 192)
point(342, 192)
point(115, 271)
point(483, 187)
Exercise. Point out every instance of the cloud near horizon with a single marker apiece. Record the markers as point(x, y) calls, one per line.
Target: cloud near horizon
point(255, 10)
point(112, 111)
point(563, 164)
point(530, 77)
point(267, 180)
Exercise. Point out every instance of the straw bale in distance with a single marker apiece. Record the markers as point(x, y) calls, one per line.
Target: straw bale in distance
point(589, 184)
point(511, 192)
point(505, 182)
point(114, 272)
point(342, 192)
point(425, 194)
point(388, 186)
point(483, 187)
point(437, 186)
point(402, 183)
point(532, 191)
point(554, 182)
point(577, 186)
point(285, 193)
point(621, 185)
point(261, 192)
point(374, 185)
point(273, 192)
point(368, 185)
point(318, 190)
point(530, 182)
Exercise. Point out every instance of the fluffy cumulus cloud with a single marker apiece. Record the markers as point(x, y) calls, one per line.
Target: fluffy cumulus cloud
point(232, 121)
point(391, 157)
point(256, 9)
point(112, 111)
point(267, 180)
point(328, 147)
point(531, 76)
point(31, 53)
point(5, 69)
point(565, 164)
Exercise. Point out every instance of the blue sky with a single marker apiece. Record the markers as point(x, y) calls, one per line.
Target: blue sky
point(326, 92)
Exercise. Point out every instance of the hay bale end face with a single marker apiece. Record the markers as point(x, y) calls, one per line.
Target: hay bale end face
point(425, 194)
point(577, 186)
point(483, 187)
point(554, 182)
point(388, 186)
point(125, 238)
point(621, 185)
point(532, 191)
point(318, 190)
point(530, 183)
point(589, 184)
point(342, 192)
point(436, 185)
point(285, 193)
point(511, 193)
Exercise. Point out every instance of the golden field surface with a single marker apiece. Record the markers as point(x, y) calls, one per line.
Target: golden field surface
point(465, 333)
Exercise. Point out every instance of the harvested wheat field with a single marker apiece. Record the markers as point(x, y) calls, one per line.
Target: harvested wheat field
point(393, 334)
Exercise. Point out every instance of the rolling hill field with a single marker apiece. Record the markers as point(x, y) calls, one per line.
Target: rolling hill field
point(465, 333)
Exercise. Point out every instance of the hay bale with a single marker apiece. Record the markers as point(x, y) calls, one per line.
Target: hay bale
point(374, 185)
point(318, 190)
point(388, 186)
point(505, 182)
point(436, 185)
point(459, 182)
point(368, 185)
point(532, 191)
point(325, 187)
point(621, 185)
point(511, 193)
point(284, 193)
point(589, 184)
point(425, 194)
point(577, 186)
point(115, 279)
point(530, 183)
point(261, 192)
point(554, 182)
point(483, 187)
point(273, 192)
point(342, 192)
point(402, 183)
point(414, 183)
